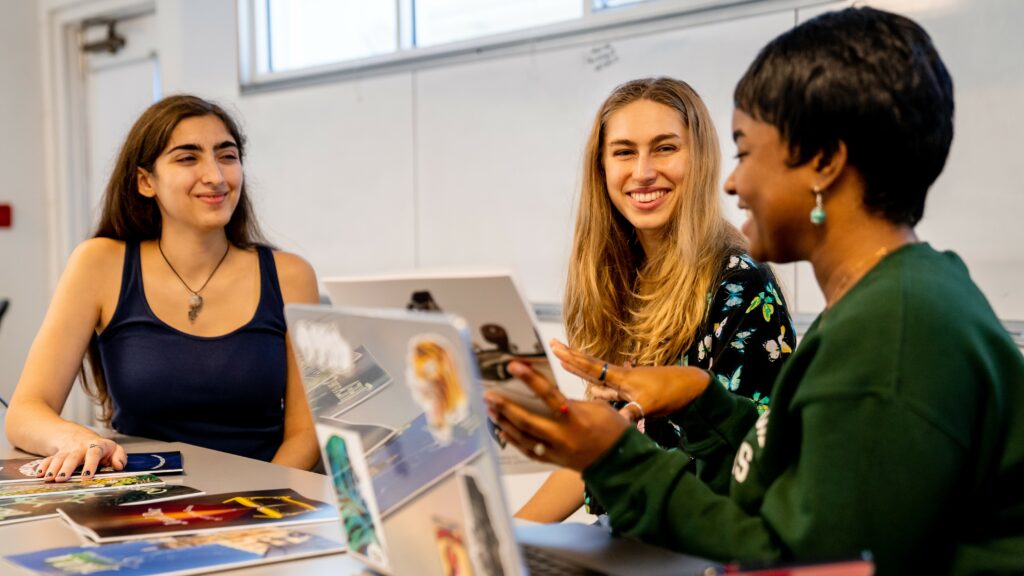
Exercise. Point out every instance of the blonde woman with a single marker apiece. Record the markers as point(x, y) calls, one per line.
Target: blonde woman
point(657, 276)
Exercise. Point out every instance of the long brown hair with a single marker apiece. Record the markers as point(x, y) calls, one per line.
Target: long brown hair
point(621, 304)
point(127, 215)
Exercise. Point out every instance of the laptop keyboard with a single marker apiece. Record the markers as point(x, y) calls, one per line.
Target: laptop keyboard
point(540, 562)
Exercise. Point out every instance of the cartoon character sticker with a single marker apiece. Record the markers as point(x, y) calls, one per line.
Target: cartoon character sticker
point(434, 381)
point(451, 548)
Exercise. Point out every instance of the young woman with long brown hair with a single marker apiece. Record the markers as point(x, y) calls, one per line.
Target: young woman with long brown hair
point(179, 304)
point(657, 275)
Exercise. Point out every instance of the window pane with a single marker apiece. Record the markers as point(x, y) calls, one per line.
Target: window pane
point(306, 33)
point(442, 21)
point(599, 5)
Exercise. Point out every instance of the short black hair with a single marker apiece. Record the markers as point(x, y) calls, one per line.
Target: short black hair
point(868, 78)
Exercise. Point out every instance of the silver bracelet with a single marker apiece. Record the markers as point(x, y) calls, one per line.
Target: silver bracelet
point(638, 407)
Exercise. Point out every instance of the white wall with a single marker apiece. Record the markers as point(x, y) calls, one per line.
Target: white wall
point(476, 162)
point(23, 248)
point(473, 163)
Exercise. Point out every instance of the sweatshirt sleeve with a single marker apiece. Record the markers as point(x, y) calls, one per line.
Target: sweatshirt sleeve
point(653, 495)
point(715, 424)
point(854, 486)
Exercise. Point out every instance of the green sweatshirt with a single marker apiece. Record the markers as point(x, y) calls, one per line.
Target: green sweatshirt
point(897, 427)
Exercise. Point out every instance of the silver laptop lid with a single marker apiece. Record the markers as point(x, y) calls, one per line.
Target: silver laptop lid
point(501, 325)
point(404, 436)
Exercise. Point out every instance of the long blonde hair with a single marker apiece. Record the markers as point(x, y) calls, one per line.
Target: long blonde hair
point(621, 304)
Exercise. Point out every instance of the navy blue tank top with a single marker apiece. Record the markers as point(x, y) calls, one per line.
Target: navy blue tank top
point(223, 392)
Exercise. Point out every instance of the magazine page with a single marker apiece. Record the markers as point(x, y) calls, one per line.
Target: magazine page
point(25, 508)
point(227, 511)
point(24, 469)
point(180, 555)
point(40, 488)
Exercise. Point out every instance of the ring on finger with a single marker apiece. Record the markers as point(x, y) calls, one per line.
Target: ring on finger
point(638, 407)
point(539, 449)
point(604, 372)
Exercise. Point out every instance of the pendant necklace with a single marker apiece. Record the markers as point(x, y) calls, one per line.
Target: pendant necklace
point(858, 270)
point(195, 301)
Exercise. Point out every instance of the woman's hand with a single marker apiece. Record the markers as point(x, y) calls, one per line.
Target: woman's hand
point(575, 437)
point(89, 450)
point(650, 391)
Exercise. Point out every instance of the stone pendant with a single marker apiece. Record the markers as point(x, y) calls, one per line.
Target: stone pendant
point(195, 304)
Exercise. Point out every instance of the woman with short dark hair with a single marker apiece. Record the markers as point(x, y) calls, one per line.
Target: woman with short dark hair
point(894, 426)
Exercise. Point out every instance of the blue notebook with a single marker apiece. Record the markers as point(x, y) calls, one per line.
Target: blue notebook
point(23, 469)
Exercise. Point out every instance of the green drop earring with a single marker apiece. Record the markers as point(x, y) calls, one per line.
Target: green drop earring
point(818, 212)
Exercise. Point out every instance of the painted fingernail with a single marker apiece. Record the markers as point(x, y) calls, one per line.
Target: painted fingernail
point(61, 475)
point(48, 474)
point(87, 473)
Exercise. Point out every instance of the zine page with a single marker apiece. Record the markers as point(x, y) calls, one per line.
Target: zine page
point(181, 555)
point(25, 508)
point(50, 488)
point(216, 512)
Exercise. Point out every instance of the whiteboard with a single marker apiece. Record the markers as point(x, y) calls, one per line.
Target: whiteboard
point(976, 206)
point(476, 162)
point(499, 141)
point(330, 168)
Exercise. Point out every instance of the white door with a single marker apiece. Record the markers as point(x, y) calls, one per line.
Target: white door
point(113, 89)
point(117, 88)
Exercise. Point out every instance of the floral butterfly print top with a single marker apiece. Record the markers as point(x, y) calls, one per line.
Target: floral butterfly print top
point(746, 337)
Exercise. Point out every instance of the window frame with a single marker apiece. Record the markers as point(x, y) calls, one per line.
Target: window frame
point(252, 25)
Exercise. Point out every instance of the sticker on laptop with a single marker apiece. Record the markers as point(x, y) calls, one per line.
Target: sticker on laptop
point(433, 378)
point(361, 524)
point(483, 542)
point(451, 548)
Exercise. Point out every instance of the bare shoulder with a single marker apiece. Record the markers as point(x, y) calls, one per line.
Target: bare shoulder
point(93, 275)
point(97, 257)
point(297, 278)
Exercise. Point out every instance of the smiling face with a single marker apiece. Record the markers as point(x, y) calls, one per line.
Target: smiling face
point(778, 196)
point(646, 159)
point(197, 179)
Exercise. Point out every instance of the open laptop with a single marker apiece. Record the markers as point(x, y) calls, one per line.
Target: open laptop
point(403, 434)
point(501, 324)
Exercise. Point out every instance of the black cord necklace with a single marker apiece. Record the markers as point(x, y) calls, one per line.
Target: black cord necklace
point(195, 301)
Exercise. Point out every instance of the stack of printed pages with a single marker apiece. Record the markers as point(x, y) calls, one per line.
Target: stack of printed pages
point(134, 523)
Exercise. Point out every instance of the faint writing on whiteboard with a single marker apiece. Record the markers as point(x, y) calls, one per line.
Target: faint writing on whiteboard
point(602, 57)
